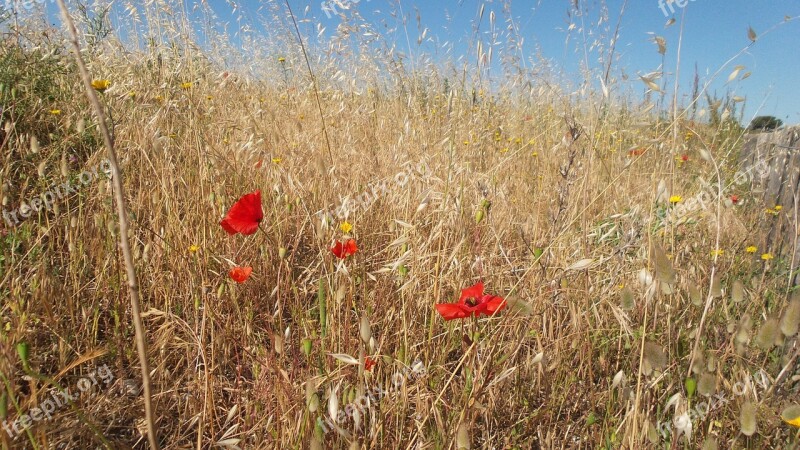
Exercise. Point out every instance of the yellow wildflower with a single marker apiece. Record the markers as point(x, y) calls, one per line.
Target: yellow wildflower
point(281, 59)
point(767, 256)
point(55, 112)
point(675, 199)
point(346, 227)
point(778, 207)
point(276, 160)
point(186, 85)
point(100, 85)
point(717, 252)
point(193, 248)
point(751, 249)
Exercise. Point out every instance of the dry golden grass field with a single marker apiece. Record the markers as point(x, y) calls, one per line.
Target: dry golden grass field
point(635, 291)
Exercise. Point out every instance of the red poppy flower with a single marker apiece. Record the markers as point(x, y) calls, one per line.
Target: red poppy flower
point(472, 302)
point(342, 251)
point(636, 152)
point(368, 363)
point(735, 199)
point(684, 158)
point(240, 274)
point(244, 215)
point(259, 163)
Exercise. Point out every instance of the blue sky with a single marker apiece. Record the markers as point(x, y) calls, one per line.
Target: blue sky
point(713, 32)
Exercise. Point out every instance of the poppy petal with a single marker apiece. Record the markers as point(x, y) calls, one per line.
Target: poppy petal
point(493, 304)
point(227, 227)
point(342, 251)
point(475, 291)
point(450, 311)
point(240, 274)
point(245, 215)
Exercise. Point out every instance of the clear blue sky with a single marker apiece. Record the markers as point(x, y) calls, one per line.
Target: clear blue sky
point(714, 31)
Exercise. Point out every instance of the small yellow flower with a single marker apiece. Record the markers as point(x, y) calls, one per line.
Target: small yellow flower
point(504, 150)
point(186, 85)
point(518, 140)
point(771, 211)
point(778, 207)
point(55, 112)
point(767, 256)
point(535, 154)
point(132, 94)
point(209, 97)
point(281, 59)
point(100, 85)
point(193, 248)
point(346, 227)
point(276, 160)
point(466, 142)
point(751, 249)
point(675, 199)
point(717, 252)
point(159, 98)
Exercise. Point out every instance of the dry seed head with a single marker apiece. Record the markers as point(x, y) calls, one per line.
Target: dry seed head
point(711, 362)
point(619, 378)
point(737, 292)
point(716, 286)
point(333, 402)
point(790, 322)
point(695, 295)
point(664, 271)
point(41, 168)
point(64, 165)
point(767, 335)
point(81, 126)
point(747, 419)
point(364, 329)
point(34, 145)
point(462, 437)
point(312, 399)
point(707, 384)
point(654, 357)
point(710, 444)
point(697, 364)
point(745, 328)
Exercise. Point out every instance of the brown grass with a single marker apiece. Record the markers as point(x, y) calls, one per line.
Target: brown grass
point(516, 186)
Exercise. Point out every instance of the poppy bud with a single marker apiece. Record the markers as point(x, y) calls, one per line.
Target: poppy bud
point(479, 216)
point(23, 351)
point(306, 346)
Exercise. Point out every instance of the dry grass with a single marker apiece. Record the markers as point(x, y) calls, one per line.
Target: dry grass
point(517, 187)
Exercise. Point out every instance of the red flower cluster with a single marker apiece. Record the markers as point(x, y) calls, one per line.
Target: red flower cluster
point(734, 199)
point(472, 302)
point(342, 251)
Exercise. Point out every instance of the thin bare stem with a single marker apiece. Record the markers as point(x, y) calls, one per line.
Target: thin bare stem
point(116, 178)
